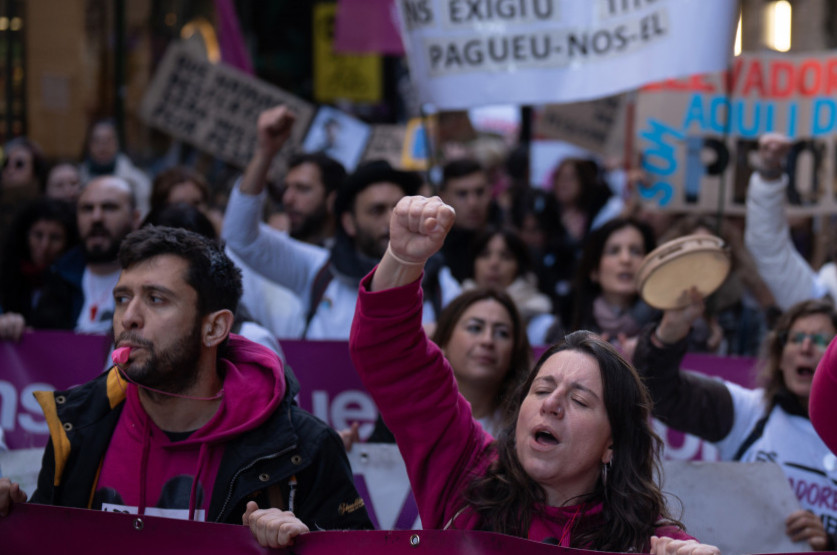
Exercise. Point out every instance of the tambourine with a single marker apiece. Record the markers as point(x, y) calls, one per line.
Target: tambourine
point(700, 261)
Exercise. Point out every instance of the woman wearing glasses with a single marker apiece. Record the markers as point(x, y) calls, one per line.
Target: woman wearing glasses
point(766, 424)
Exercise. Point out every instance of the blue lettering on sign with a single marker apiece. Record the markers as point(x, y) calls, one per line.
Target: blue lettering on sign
point(824, 112)
point(749, 119)
point(659, 159)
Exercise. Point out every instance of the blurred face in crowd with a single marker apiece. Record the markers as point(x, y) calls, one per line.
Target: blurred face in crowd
point(368, 221)
point(105, 216)
point(807, 339)
point(64, 183)
point(156, 315)
point(470, 197)
point(20, 168)
point(187, 193)
point(622, 255)
point(496, 266)
point(47, 239)
point(480, 347)
point(563, 433)
point(104, 144)
point(305, 200)
point(566, 186)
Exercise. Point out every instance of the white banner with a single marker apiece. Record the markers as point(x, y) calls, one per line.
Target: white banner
point(466, 53)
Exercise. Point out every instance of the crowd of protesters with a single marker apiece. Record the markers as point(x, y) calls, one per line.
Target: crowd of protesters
point(359, 256)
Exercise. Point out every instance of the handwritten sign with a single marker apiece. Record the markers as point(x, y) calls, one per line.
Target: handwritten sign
point(697, 135)
point(216, 107)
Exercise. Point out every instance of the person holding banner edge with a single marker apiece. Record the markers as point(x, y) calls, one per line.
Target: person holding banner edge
point(167, 431)
point(575, 465)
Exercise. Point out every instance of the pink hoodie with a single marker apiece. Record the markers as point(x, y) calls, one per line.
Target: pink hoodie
point(145, 472)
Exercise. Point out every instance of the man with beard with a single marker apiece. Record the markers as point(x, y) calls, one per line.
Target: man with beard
point(326, 280)
point(191, 422)
point(308, 197)
point(76, 294)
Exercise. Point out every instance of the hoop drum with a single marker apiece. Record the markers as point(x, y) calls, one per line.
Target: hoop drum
point(700, 260)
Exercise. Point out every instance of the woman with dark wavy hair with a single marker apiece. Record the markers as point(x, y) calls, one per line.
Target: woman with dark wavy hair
point(576, 462)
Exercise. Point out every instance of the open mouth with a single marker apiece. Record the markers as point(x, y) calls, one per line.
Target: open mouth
point(545, 438)
point(805, 372)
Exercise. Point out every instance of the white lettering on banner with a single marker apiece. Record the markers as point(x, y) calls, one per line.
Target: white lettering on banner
point(10, 417)
point(347, 407)
point(541, 49)
point(684, 447)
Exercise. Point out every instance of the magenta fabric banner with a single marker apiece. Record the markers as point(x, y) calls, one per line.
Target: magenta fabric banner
point(330, 387)
point(367, 27)
point(43, 360)
point(105, 533)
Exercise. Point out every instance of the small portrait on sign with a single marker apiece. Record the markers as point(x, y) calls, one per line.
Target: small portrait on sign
point(338, 135)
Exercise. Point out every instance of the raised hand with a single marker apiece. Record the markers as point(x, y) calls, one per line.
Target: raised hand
point(417, 230)
point(773, 149)
point(676, 323)
point(274, 128)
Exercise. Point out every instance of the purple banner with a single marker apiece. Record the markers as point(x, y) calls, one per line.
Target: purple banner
point(43, 360)
point(103, 533)
point(330, 387)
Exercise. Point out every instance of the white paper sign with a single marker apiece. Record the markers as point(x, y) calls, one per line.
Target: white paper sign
point(466, 53)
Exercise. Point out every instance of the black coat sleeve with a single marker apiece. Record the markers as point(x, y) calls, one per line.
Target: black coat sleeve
point(686, 401)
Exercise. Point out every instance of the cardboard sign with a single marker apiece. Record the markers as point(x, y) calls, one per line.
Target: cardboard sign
point(215, 107)
point(696, 136)
point(466, 53)
point(597, 125)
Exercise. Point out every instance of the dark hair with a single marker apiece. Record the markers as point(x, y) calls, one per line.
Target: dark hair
point(521, 351)
point(459, 168)
point(168, 179)
point(512, 241)
point(770, 370)
point(211, 274)
point(39, 162)
point(15, 288)
point(366, 175)
point(332, 172)
point(593, 190)
point(183, 216)
point(586, 290)
point(633, 505)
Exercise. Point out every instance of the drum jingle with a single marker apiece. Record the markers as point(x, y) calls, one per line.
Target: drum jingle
point(700, 260)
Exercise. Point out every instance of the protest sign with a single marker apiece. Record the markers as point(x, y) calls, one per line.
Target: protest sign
point(465, 53)
point(338, 135)
point(386, 143)
point(216, 107)
point(696, 136)
point(357, 77)
point(596, 125)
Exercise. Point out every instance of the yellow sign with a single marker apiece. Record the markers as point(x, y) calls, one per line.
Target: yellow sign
point(418, 144)
point(339, 76)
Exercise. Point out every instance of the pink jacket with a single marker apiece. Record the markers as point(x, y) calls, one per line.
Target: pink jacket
point(442, 445)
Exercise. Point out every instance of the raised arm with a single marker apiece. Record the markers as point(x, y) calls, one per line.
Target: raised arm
point(787, 274)
point(273, 129)
point(686, 401)
point(417, 230)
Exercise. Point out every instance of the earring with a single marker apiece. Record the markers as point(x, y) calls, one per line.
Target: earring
point(605, 468)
